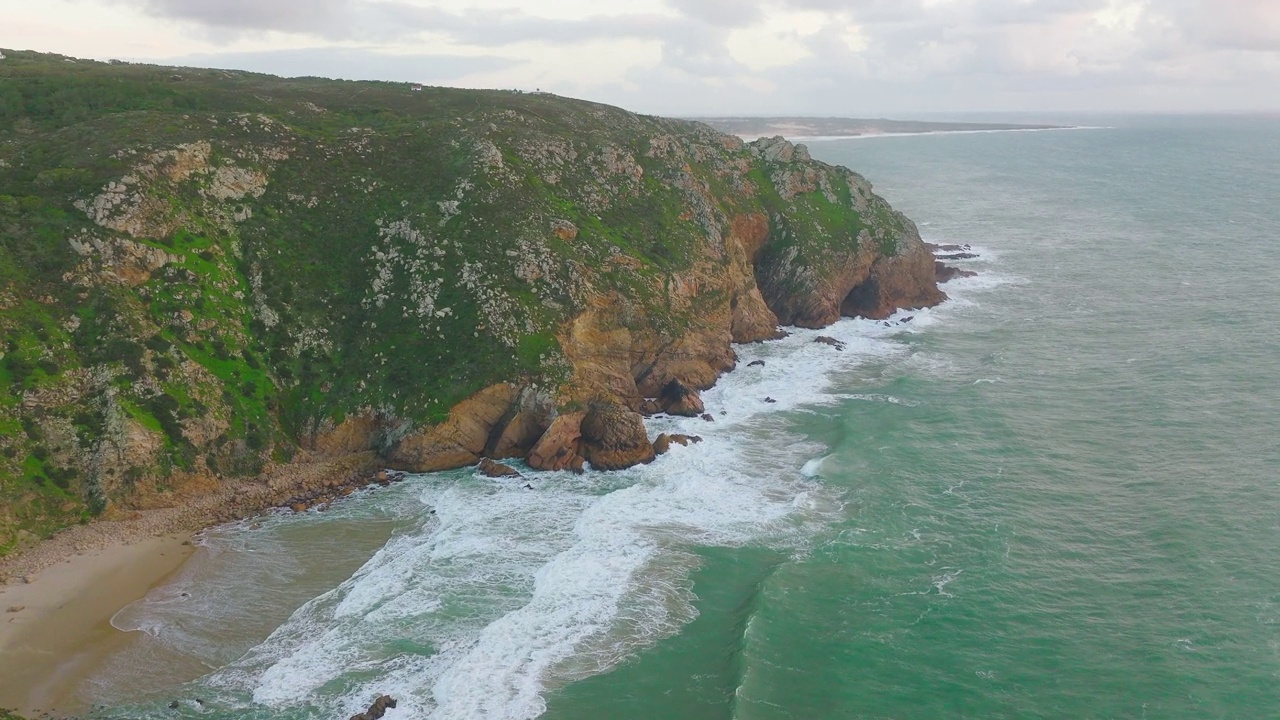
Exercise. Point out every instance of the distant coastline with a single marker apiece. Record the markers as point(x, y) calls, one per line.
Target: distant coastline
point(807, 128)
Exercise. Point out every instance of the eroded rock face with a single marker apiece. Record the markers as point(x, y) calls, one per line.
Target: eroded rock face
point(614, 438)
point(522, 426)
point(903, 282)
point(558, 448)
point(680, 399)
point(460, 440)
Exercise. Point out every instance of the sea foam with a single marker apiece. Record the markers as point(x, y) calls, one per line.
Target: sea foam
point(496, 594)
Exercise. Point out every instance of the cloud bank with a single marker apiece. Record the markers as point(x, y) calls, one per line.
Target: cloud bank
point(725, 56)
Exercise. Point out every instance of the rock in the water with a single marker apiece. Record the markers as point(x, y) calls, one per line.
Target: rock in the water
point(756, 363)
point(958, 256)
point(661, 444)
point(829, 341)
point(650, 406)
point(770, 400)
point(946, 248)
point(708, 417)
point(614, 438)
point(680, 399)
point(946, 273)
point(299, 507)
point(494, 469)
point(377, 709)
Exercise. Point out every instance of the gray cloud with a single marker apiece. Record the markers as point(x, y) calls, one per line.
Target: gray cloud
point(349, 64)
point(964, 54)
point(719, 13)
point(307, 16)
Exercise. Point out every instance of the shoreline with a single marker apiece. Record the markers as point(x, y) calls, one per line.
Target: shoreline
point(63, 630)
point(63, 591)
point(926, 133)
point(58, 596)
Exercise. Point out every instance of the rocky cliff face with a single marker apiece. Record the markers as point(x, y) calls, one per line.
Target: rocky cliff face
point(196, 295)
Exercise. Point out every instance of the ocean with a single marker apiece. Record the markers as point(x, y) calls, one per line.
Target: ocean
point(1055, 496)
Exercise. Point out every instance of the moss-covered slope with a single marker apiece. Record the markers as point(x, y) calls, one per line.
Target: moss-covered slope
point(204, 272)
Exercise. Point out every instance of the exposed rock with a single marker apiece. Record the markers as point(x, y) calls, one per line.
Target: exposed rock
point(903, 281)
point(558, 448)
point(522, 425)
point(459, 440)
point(661, 444)
point(933, 248)
point(356, 433)
point(958, 256)
point(708, 417)
point(946, 273)
point(770, 400)
point(680, 399)
point(776, 149)
point(377, 709)
point(564, 229)
point(756, 363)
point(495, 469)
point(829, 341)
point(614, 438)
point(650, 406)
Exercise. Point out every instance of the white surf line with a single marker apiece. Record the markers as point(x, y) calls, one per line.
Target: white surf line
point(518, 592)
point(867, 136)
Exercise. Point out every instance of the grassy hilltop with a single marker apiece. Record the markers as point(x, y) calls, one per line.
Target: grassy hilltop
point(203, 272)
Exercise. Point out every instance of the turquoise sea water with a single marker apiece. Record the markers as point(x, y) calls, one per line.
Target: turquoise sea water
point(1056, 496)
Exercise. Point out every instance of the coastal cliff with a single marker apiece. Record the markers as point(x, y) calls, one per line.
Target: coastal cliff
point(208, 275)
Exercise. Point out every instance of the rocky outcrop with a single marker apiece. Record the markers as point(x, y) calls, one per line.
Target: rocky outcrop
point(377, 709)
point(559, 446)
point(495, 469)
point(522, 425)
point(461, 439)
point(662, 444)
point(904, 281)
point(677, 398)
point(944, 273)
point(614, 438)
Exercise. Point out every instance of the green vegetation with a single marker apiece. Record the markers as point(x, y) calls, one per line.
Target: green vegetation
point(200, 268)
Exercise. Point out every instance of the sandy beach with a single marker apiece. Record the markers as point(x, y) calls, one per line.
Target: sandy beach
point(56, 628)
point(57, 598)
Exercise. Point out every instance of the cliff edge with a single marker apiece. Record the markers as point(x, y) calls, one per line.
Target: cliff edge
point(207, 274)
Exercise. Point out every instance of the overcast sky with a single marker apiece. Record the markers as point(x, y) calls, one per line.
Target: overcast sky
point(708, 57)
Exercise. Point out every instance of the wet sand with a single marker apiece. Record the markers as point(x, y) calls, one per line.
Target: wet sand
point(55, 627)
